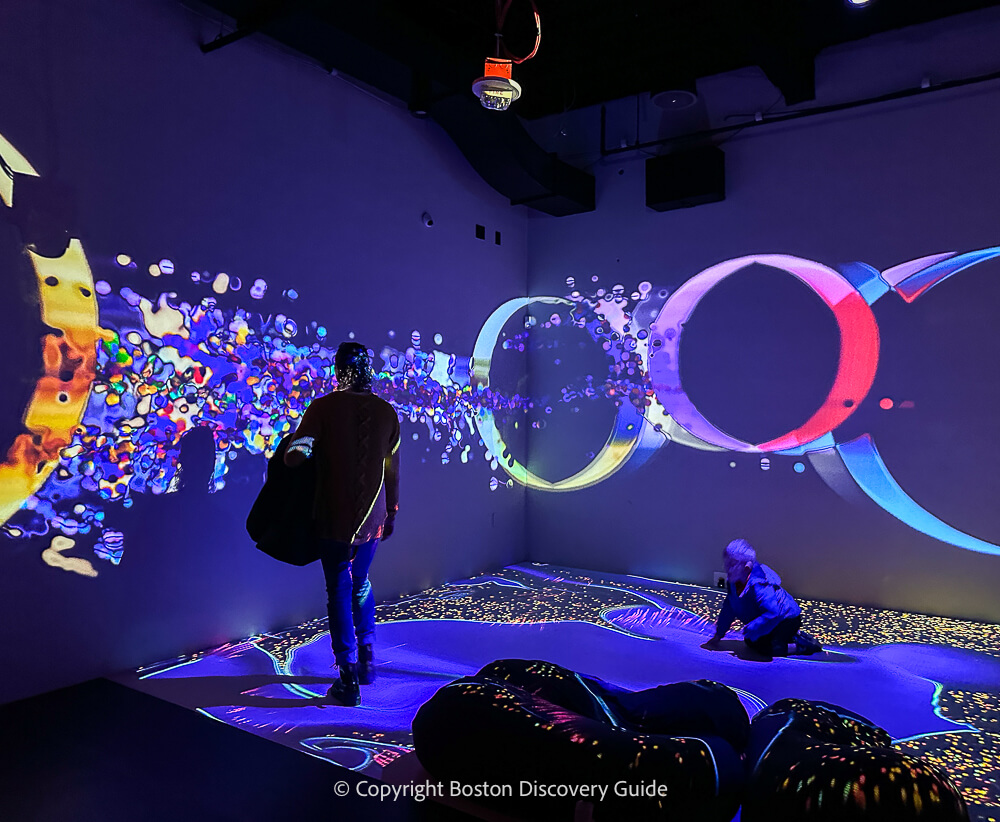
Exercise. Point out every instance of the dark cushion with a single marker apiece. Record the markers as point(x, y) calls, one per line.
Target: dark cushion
point(280, 521)
point(482, 730)
point(816, 761)
point(675, 709)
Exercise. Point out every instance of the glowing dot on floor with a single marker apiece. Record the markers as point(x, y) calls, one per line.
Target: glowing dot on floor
point(123, 259)
point(732, 465)
point(799, 467)
point(885, 403)
point(765, 464)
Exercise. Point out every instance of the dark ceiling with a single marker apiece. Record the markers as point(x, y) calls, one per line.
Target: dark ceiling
point(426, 53)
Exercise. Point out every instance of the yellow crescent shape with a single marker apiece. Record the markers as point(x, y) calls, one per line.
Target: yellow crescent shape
point(612, 456)
point(69, 307)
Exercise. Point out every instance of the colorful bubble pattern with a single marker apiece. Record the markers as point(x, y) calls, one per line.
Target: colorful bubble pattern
point(168, 366)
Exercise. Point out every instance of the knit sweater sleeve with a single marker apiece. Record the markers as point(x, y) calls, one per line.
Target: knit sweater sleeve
point(301, 443)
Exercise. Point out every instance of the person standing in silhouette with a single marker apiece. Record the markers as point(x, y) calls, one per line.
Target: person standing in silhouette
point(354, 438)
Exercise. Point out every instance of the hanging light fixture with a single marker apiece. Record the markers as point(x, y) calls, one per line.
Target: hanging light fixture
point(497, 89)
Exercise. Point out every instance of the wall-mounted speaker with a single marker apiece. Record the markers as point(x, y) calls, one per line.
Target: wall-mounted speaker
point(686, 178)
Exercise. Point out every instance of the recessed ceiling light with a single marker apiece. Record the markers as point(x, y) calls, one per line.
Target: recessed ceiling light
point(674, 100)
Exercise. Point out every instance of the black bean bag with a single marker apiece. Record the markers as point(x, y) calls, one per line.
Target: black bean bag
point(530, 724)
point(675, 709)
point(812, 761)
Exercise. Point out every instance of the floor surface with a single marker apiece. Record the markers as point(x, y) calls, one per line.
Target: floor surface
point(932, 682)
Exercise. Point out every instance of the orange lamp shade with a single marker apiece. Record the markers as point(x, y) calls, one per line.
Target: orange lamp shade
point(498, 67)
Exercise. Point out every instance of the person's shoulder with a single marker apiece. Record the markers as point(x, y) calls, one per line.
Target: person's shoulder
point(764, 574)
point(324, 402)
point(384, 407)
point(324, 399)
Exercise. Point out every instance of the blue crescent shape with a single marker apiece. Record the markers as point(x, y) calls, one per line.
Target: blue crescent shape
point(869, 471)
point(859, 458)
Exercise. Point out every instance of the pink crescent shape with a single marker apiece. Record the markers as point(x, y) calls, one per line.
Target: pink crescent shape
point(858, 360)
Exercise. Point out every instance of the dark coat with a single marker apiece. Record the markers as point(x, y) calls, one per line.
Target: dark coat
point(281, 519)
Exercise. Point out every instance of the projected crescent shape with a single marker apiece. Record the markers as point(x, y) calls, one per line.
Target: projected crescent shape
point(69, 307)
point(614, 454)
point(869, 471)
point(859, 345)
point(859, 460)
point(912, 279)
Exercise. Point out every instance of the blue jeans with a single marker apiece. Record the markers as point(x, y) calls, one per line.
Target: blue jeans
point(350, 602)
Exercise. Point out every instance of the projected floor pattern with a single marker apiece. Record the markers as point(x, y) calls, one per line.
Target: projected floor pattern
point(932, 682)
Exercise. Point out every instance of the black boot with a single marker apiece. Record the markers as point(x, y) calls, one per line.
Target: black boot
point(346, 690)
point(366, 664)
point(807, 644)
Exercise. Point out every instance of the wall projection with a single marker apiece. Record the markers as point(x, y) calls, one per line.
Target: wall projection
point(129, 369)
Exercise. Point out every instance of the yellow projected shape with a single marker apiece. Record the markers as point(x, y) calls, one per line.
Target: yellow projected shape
point(13, 160)
point(612, 456)
point(54, 556)
point(69, 356)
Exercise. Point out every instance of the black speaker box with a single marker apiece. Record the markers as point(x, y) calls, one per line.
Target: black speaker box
point(686, 178)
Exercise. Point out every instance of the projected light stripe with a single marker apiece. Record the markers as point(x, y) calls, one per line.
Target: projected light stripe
point(936, 707)
point(922, 280)
point(866, 467)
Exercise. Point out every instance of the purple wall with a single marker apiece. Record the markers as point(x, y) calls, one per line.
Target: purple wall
point(881, 185)
point(254, 163)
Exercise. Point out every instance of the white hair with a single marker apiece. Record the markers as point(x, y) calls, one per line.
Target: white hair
point(741, 551)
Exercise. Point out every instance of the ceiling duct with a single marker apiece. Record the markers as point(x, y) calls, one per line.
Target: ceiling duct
point(505, 156)
point(498, 148)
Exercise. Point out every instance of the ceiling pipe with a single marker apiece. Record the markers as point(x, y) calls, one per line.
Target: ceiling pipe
point(766, 120)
